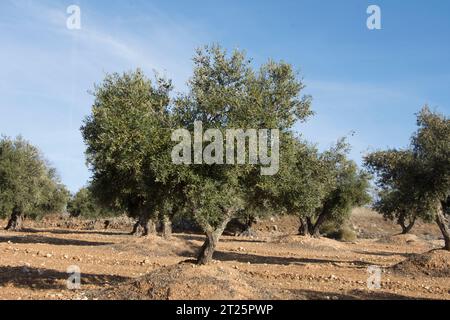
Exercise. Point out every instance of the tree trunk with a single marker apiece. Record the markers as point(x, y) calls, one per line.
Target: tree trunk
point(141, 227)
point(248, 232)
point(15, 223)
point(315, 232)
point(151, 227)
point(167, 227)
point(310, 225)
point(208, 248)
point(212, 238)
point(443, 225)
point(303, 230)
point(406, 228)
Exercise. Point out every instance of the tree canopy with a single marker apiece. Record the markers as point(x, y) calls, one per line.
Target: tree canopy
point(225, 92)
point(417, 178)
point(126, 132)
point(84, 204)
point(28, 185)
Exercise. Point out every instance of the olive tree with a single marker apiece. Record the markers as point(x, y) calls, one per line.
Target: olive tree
point(299, 188)
point(395, 205)
point(418, 176)
point(124, 134)
point(84, 204)
point(225, 92)
point(322, 187)
point(346, 188)
point(28, 185)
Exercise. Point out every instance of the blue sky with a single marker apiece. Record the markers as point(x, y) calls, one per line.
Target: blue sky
point(369, 82)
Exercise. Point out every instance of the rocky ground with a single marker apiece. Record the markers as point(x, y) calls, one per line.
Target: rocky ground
point(275, 264)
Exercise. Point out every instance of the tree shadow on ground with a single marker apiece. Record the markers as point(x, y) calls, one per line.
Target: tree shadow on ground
point(382, 253)
point(190, 237)
point(351, 295)
point(256, 259)
point(201, 237)
point(81, 232)
point(242, 240)
point(37, 278)
point(33, 239)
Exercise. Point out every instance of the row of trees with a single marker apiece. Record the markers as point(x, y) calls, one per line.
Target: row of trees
point(128, 138)
point(29, 186)
point(129, 151)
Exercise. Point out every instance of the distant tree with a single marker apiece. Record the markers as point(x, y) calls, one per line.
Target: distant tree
point(346, 188)
point(83, 204)
point(300, 187)
point(226, 93)
point(324, 188)
point(126, 131)
point(394, 205)
point(418, 177)
point(55, 197)
point(28, 185)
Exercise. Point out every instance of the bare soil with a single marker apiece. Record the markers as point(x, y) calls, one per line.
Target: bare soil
point(275, 264)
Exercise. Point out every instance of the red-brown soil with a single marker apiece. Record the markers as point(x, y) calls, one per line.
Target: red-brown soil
point(275, 264)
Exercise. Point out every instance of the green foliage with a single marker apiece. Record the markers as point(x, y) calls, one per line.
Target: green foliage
point(395, 205)
point(83, 204)
point(225, 92)
point(299, 188)
point(348, 186)
point(416, 181)
point(340, 232)
point(125, 135)
point(320, 188)
point(129, 148)
point(28, 184)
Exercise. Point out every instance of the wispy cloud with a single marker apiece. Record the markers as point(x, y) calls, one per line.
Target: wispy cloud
point(48, 69)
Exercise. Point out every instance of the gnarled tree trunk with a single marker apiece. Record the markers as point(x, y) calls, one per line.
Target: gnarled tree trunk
point(303, 230)
point(152, 227)
point(308, 228)
point(167, 227)
point(141, 227)
point(406, 227)
point(442, 222)
point(212, 238)
point(248, 232)
point(15, 222)
point(315, 231)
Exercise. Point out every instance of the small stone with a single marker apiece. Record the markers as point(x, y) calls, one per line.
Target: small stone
point(146, 261)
